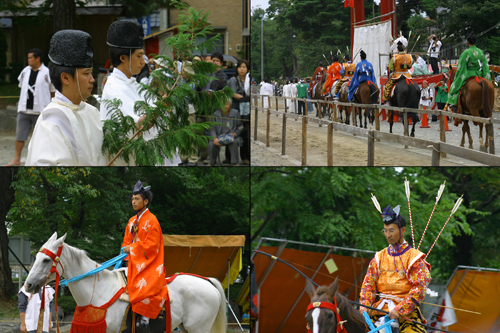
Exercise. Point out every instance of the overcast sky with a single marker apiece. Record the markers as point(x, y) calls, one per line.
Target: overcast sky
point(262, 3)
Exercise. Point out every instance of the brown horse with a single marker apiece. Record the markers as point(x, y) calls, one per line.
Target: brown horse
point(343, 97)
point(324, 320)
point(317, 94)
point(366, 94)
point(476, 99)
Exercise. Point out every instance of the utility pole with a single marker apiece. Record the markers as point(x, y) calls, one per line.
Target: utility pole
point(262, 48)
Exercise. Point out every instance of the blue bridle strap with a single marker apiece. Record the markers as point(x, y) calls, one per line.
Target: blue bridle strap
point(117, 261)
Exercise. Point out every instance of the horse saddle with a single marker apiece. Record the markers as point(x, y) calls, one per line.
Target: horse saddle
point(122, 277)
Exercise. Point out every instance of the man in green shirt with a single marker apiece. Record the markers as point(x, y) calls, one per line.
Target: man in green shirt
point(472, 63)
point(302, 93)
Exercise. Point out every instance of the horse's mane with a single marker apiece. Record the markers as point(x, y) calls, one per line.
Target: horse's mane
point(78, 255)
point(343, 303)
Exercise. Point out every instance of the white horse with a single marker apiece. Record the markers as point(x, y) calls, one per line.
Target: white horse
point(198, 306)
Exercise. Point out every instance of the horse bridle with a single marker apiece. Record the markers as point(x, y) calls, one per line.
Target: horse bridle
point(56, 260)
point(332, 306)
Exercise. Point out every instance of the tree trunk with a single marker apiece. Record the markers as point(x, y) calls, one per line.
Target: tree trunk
point(64, 14)
point(7, 198)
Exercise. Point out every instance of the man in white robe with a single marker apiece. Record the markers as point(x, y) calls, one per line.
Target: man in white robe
point(36, 92)
point(126, 39)
point(293, 89)
point(287, 93)
point(267, 89)
point(69, 131)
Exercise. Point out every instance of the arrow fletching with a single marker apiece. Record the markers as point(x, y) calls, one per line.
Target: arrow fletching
point(457, 204)
point(440, 191)
point(375, 202)
point(407, 188)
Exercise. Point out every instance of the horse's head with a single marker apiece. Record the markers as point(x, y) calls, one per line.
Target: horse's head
point(43, 264)
point(322, 319)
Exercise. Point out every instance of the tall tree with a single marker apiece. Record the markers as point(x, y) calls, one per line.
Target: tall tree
point(333, 206)
point(6, 200)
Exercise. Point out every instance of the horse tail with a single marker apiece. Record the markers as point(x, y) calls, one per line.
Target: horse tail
point(487, 107)
point(374, 97)
point(220, 323)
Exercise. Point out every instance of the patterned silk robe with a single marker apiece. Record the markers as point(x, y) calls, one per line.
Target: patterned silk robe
point(146, 274)
point(398, 284)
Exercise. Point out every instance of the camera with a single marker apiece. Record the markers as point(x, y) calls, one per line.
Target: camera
point(434, 38)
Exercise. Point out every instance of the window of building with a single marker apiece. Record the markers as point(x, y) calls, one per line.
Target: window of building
point(219, 44)
point(155, 19)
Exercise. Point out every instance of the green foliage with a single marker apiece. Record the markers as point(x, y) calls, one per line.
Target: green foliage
point(67, 303)
point(93, 205)
point(419, 25)
point(333, 206)
point(166, 101)
point(465, 17)
point(297, 34)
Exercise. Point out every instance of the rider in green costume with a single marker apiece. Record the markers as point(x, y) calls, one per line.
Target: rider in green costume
point(472, 62)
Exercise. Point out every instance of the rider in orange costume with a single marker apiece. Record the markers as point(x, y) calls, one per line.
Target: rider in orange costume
point(347, 71)
point(318, 77)
point(146, 274)
point(400, 64)
point(333, 74)
point(398, 274)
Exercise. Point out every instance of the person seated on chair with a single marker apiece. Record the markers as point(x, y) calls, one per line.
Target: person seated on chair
point(364, 72)
point(230, 124)
point(146, 275)
point(399, 65)
point(420, 66)
point(347, 71)
point(318, 77)
point(333, 74)
point(472, 62)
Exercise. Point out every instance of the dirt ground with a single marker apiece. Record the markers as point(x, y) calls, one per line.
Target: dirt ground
point(348, 150)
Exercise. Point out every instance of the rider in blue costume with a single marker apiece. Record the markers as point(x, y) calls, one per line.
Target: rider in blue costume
point(364, 72)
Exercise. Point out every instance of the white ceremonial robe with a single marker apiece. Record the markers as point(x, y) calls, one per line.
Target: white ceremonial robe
point(41, 92)
point(266, 89)
point(127, 90)
point(428, 93)
point(33, 310)
point(294, 93)
point(67, 135)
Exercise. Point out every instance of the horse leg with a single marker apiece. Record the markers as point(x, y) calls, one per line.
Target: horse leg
point(361, 117)
point(464, 130)
point(347, 114)
point(481, 141)
point(366, 116)
point(412, 134)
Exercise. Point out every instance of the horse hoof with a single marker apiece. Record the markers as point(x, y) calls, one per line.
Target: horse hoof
point(412, 135)
point(482, 148)
point(470, 147)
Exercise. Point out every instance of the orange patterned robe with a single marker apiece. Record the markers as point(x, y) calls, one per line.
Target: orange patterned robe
point(146, 274)
point(333, 75)
point(386, 275)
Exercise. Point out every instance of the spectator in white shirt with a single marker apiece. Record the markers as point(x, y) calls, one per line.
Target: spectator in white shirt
point(426, 96)
point(433, 52)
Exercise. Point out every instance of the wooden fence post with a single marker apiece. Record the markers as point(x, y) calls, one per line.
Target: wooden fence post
point(353, 113)
point(442, 132)
point(329, 145)
point(491, 138)
point(320, 107)
point(371, 148)
point(306, 113)
point(435, 154)
point(256, 115)
point(377, 118)
point(276, 103)
point(268, 126)
point(283, 136)
point(304, 140)
point(335, 113)
point(286, 109)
